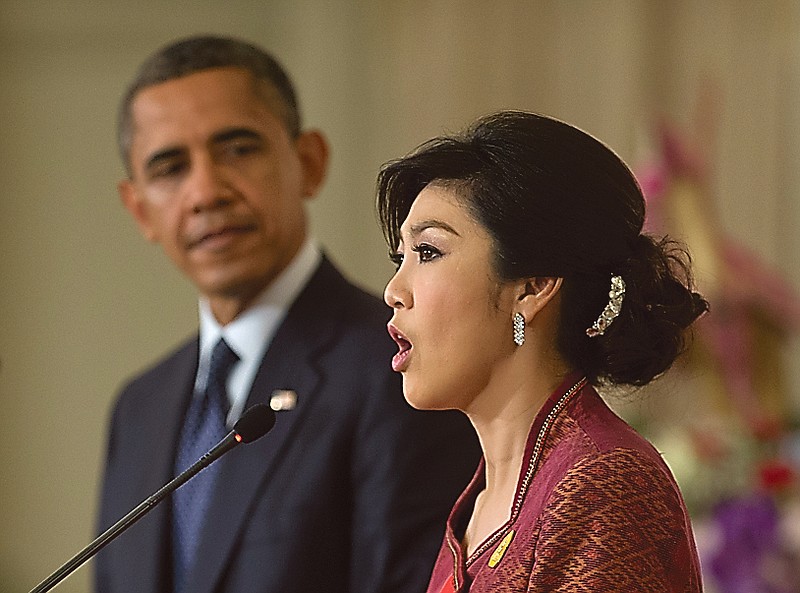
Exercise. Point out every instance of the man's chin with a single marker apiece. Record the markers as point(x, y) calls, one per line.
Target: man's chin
point(231, 288)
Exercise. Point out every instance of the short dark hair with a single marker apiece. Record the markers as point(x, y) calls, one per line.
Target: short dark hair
point(557, 202)
point(195, 54)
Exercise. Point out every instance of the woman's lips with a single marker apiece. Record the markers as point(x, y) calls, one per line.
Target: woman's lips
point(400, 360)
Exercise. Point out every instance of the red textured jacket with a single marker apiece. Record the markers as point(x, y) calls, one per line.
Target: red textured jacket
point(596, 510)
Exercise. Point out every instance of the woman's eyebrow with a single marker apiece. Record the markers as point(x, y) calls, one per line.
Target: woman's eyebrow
point(417, 228)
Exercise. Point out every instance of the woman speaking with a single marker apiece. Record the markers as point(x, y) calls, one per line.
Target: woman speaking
point(523, 282)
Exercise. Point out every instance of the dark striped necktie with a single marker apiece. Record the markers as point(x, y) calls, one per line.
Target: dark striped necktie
point(204, 427)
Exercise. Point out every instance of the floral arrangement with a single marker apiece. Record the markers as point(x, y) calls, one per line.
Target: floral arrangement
point(727, 425)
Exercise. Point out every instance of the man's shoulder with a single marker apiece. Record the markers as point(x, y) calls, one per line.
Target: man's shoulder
point(331, 278)
point(342, 301)
point(182, 356)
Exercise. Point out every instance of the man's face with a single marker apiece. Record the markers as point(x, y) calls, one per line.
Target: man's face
point(218, 182)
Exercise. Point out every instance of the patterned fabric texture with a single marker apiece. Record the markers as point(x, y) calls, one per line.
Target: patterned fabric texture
point(601, 513)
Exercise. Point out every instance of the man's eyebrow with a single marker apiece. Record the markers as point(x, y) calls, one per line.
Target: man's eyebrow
point(236, 134)
point(417, 228)
point(219, 138)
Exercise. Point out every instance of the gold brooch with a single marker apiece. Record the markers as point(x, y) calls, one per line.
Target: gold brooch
point(500, 551)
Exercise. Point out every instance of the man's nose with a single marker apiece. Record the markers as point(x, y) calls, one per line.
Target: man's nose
point(206, 186)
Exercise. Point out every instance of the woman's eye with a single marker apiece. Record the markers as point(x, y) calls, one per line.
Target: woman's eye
point(426, 252)
point(396, 258)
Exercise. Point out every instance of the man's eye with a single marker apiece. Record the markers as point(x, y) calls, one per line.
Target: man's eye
point(166, 169)
point(242, 148)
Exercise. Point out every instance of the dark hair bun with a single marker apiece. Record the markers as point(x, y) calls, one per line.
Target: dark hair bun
point(659, 305)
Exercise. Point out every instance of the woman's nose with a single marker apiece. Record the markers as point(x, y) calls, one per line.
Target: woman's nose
point(396, 295)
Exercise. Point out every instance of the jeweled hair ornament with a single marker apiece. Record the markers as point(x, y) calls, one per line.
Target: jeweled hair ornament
point(612, 309)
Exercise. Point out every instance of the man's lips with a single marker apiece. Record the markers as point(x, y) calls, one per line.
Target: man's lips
point(218, 234)
point(400, 360)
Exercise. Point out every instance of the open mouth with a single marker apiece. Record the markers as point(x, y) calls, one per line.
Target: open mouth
point(400, 360)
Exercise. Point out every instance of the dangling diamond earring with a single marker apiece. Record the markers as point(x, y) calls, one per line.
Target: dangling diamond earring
point(519, 329)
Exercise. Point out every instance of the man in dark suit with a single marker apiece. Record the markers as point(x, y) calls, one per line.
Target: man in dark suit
point(350, 490)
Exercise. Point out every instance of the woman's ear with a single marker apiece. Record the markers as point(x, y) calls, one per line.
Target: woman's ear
point(535, 294)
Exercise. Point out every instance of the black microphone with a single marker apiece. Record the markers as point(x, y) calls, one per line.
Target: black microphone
point(254, 424)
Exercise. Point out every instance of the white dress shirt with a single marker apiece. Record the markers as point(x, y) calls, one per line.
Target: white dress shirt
point(250, 334)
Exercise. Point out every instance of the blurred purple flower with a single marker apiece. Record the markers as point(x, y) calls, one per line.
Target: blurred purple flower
point(749, 558)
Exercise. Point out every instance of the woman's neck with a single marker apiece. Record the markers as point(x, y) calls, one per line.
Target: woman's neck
point(503, 420)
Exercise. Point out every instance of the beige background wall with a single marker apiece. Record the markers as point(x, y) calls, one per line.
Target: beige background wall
point(84, 302)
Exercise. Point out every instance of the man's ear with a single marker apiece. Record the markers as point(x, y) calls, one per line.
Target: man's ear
point(313, 150)
point(135, 205)
point(535, 294)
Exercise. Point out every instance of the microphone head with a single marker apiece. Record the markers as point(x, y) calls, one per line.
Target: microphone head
point(257, 421)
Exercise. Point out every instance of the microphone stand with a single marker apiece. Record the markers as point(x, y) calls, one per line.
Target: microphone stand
point(225, 445)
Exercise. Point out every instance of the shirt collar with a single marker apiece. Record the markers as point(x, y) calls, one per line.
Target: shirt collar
point(251, 332)
point(278, 295)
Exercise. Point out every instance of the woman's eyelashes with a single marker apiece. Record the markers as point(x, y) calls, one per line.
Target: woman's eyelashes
point(396, 258)
point(425, 253)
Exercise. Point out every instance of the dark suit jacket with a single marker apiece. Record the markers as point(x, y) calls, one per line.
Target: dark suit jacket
point(349, 491)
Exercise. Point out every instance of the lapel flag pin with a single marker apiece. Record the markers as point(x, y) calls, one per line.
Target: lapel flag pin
point(283, 400)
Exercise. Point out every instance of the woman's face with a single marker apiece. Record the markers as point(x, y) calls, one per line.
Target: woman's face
point(452, 316)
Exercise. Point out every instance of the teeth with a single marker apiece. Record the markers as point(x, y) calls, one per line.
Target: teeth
point(403, 344)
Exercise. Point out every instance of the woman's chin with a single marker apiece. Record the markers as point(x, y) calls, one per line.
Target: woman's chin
point(414, 398)
point(423, 399)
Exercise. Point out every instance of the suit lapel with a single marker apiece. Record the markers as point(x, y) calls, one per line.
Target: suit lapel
point(288, 364)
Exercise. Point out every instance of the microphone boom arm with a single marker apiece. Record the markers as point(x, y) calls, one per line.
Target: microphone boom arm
point(229, 442)
point(257, 421)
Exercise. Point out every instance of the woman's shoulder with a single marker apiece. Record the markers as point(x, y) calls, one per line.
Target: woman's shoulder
point(590, 451)
point(591, 420)
point(619, 512)
point(621, 475)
